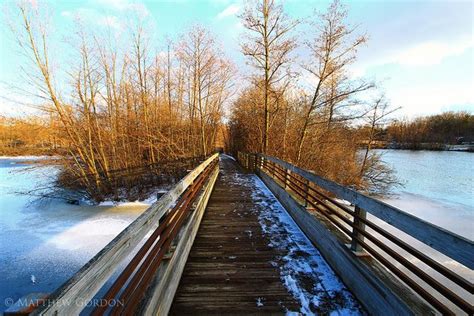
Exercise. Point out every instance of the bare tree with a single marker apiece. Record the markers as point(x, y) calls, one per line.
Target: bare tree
point(127, 110)
point(332, 50)
point(376, 177)
point(209, 76)
point(268, 45)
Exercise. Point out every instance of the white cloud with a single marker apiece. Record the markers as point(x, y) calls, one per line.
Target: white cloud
point(422, 100)
point(114, 4)
point(14, 102)
point(430, 53)
point(83, 14)
point(91, 16)
point(233, 9)
point(125, 5)
point(427, 53)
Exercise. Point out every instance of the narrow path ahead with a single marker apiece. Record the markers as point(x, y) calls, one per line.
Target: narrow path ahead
point(250, 257)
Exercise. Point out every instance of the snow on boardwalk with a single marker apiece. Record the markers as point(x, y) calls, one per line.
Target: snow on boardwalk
point(250, 257)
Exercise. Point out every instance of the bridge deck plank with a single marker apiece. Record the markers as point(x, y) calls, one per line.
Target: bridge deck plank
point(229, 269)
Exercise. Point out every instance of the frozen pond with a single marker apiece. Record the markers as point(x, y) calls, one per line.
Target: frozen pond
point(438, 187)
point(50, 240)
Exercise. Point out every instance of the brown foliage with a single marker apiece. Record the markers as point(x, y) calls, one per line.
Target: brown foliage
point(310, 127)
point(126, 107)
point(28, 136)
point(445, 128)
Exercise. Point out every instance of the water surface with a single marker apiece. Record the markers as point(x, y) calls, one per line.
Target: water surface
point(438, 186)
point(50, 239)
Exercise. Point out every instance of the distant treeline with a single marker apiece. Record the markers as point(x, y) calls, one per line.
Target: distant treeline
point(28, 136)
point(445, 128)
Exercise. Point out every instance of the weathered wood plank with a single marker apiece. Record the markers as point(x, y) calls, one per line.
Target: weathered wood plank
point(227, 275)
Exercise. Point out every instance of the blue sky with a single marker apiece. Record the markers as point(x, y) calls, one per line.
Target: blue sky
point(421, 51)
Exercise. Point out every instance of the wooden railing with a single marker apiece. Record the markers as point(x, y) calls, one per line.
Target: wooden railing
point(160, 240)
point(373, 227)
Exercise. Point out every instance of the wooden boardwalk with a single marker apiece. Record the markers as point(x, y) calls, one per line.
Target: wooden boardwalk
point(250, 256)
point(238, 252)
point(229, 269)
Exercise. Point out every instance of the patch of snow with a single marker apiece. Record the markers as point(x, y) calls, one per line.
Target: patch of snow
point(29, 157)
point(303, 271)
point(126, 203)
point(343, 202)
point(228, 156)
point(260, 301)
point(232, 257)
point(152, 198)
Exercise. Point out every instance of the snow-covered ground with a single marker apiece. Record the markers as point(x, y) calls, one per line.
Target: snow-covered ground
point(228, 156)
point(303, 271)
point(49, 240)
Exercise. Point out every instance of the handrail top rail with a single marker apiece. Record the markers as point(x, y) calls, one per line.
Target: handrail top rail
point(432, 235)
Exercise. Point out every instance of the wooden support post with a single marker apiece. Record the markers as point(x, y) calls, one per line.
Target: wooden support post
point(306, 195)
point(358, 214)
point(286, 177)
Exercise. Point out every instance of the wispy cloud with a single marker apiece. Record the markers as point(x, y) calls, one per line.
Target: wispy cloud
point(93, 17)
point(108, 13)
point(430, 52)
point(422, 54)
point(124, 5)
point(231, 10)
point(426, 99)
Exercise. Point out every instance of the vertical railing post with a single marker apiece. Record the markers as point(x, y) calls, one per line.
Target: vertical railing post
point(306, 193)
point(358, 225)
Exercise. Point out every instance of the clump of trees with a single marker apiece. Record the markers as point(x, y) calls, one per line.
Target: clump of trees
point(309, 124)
point(28, 136)
point(124, 109)
point(445, 128)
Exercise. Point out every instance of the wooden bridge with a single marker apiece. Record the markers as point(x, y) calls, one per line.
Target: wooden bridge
point(263, 236)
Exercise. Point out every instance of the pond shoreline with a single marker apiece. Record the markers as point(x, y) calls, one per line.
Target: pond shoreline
point(423, 146)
